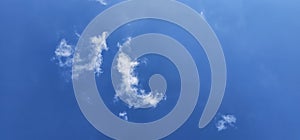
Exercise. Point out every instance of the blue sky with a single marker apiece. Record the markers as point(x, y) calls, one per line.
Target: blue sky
point(260, 42)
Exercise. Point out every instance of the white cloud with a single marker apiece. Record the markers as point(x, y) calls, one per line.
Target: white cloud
point(128, 91)
point(98, 45)
point(102, 2)
point(225, 122)
point(123, 115)
point(64, 54)
point(202, 14)
point(77, 34)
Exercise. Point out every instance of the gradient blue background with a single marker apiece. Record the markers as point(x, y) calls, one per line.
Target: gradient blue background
point(260, 40)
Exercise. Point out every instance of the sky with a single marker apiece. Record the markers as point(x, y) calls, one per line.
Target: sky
point(260, 42)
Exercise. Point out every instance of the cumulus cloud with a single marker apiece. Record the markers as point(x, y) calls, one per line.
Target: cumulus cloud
point(129, 91)
point(98, 45)
point(225, 122)
point(123, 115)
point(64, 54)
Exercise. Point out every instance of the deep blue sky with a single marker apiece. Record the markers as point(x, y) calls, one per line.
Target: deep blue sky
point(260, 40)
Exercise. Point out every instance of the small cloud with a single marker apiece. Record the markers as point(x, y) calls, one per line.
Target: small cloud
point(128, 91)
point(77, 34)
point(225, 122)
point(98, 45)
point(123, 115)
point(102, 2)
point(202, 14)
point(64, 54)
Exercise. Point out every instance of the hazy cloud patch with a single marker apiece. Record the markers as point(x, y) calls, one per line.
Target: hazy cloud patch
point(123, 115)
point(225, 122)
point(102, 2)
point(64, 54)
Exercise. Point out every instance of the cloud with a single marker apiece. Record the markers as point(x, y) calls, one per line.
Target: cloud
point(98, 45)
point(225, 122)
point(102, 2)
point(77, 34)
point(64, 54)
point(202, 14)
point(129, 91)
point(123, 115)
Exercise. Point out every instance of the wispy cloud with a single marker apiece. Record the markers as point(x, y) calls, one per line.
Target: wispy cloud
point(64, 54)
point(129, 91)
point(98, 45)
point(77, 34)
point(225, 122)
point(102, 2)
point(123, 115)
